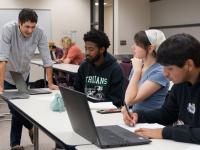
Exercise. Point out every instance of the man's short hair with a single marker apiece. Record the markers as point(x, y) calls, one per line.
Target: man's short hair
point(98, 37)
point(27, 14)
point(177, 49)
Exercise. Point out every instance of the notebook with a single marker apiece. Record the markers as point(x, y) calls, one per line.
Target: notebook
point(22, 86)
point(83, 124)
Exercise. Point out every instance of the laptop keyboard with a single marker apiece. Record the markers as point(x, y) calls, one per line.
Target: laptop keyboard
point(107, 136)
point(116, 136)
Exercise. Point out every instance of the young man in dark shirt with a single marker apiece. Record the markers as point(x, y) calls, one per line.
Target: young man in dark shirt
point(100, 76)
point(180, 56)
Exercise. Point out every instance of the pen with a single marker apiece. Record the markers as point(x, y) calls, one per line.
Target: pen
point(127, 109)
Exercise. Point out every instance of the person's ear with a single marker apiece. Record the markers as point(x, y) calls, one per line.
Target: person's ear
point(19, 22)
point(151, 48)
point(190, 64)
point(102, 49)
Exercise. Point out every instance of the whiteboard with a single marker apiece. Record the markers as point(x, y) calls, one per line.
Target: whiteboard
point(44, 19)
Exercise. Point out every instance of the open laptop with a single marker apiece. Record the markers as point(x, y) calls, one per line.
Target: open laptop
point(22, 91)
point(22, 86)
point(83, 124)
point(14, 94)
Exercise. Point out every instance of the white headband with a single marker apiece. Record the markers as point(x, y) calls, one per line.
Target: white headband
point(156, 37)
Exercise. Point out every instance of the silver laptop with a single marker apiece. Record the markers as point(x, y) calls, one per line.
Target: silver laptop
point(14, 94)
point(83, 124)
point(22, 86)
point(22, 91)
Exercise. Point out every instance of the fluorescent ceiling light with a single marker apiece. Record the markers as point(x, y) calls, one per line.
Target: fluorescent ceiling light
point(97, 4)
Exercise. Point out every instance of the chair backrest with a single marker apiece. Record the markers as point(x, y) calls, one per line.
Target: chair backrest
point(126, 68)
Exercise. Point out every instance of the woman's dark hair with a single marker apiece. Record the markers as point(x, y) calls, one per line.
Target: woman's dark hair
point(142, 40)
point(98, 37)
point(177, 49)
point(27, 14)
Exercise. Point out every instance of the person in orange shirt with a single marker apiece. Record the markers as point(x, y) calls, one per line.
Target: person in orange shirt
point(72, 54)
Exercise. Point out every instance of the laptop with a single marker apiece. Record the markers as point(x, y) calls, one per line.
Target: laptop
point(22, 91)
point(22, 86)
point(14, 94)
point(83, 124)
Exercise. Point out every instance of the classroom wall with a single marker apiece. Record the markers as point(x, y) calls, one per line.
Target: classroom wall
point(176, 12)
point(67, 15)
point(130, 16)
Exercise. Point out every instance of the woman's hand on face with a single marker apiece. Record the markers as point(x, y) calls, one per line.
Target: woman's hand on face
point(137, 64)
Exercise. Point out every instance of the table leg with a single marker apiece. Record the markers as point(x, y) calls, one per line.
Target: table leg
point(36, 138)
point(45, 78)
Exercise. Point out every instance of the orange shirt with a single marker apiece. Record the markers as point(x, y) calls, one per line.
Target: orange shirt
point(74, 54)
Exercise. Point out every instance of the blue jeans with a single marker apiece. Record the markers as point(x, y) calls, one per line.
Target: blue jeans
point(17, 121)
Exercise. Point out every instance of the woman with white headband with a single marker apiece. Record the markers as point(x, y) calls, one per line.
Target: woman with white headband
point(148, 87)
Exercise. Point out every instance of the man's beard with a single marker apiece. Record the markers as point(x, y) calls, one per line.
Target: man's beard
point(93, 60)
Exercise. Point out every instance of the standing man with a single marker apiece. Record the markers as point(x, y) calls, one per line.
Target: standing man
point(179, 55)
point(18, 43)
point(100, 76)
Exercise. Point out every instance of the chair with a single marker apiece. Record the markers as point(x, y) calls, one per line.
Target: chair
point(126, 68)
point(64, 78)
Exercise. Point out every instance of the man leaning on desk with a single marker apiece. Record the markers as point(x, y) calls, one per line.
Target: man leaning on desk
point(18, 42)
point(179, 55)
point(100, 76)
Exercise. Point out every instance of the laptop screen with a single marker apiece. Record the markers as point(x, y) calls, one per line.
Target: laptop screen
point(22, 85)
point(19, 81)
point(79, 114)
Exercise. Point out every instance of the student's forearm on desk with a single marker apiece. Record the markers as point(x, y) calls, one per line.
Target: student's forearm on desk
point(182, 133)
point(66, 60)
point(2, 74)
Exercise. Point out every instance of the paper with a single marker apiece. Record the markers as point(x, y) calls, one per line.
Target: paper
point(142, 125)
point(195, 147)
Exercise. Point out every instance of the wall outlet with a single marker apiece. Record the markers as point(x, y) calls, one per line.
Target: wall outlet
point(122, 42)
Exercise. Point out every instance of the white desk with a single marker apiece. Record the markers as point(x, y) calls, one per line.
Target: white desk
point(156, 144)
point(57, 125)
point(68, 68)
